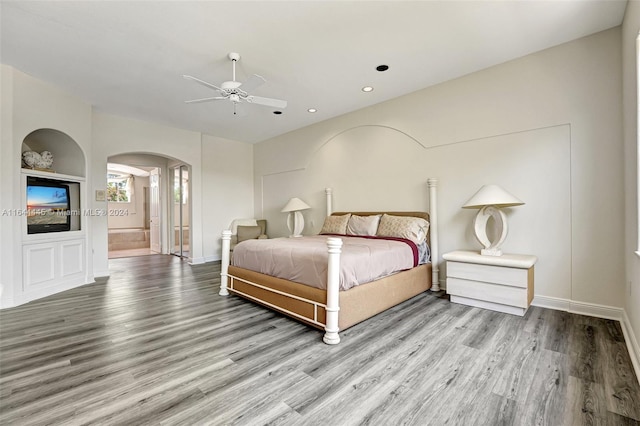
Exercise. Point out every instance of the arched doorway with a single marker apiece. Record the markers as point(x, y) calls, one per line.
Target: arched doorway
point(149, 205)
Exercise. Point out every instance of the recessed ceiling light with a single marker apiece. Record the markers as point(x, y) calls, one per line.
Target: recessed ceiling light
point(312, 110)
point(382, 68)
point(277, 112)
point(367, 89)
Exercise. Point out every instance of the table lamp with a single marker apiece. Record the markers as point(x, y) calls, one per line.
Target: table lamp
point(490, 199)
point(295, 221)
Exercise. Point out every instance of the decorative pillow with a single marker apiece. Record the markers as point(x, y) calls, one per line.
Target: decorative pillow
point(363, 225)
point(241, 222)
point(410, 228)
point(335, 224)
point(248, 232)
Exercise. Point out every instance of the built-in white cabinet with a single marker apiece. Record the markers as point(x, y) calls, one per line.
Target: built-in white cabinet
point(52, 266)
point(54, 261)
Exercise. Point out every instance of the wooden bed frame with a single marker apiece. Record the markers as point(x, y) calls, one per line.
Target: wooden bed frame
point(331, 309)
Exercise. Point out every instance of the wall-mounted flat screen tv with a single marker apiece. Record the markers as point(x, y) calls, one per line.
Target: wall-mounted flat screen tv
point(48, 206)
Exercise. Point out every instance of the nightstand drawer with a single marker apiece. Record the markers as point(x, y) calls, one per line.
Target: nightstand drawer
point(496, 293)
point(489, 274)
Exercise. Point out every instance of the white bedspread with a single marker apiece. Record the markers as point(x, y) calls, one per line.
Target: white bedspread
point(304, 260)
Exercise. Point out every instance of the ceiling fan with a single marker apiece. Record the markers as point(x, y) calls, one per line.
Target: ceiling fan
point(236, 91)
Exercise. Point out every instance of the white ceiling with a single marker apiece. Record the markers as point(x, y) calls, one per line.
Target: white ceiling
point(127, 57)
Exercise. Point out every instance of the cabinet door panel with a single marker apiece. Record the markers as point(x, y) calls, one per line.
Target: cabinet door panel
point(39, 267)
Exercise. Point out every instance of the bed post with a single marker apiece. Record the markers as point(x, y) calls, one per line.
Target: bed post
point(328, 192)
point(224, 267)
point(433, 228)
point(331, 329)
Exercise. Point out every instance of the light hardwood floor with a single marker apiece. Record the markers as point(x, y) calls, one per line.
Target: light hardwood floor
point(155, 344)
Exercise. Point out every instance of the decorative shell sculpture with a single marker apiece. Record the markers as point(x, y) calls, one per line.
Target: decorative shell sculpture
point(32, 159)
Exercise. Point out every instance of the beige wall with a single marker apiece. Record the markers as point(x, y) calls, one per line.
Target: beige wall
point(630, 29)
point(547, 127)
point(227, 188)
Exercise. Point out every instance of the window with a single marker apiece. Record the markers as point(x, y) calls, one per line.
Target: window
point(118, 188)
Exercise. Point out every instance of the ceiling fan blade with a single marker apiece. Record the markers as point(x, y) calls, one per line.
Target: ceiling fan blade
point(252, 83)
point(276, 103)
point(195, 101)
point(204, 83)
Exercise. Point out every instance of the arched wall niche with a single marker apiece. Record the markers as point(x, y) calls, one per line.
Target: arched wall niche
point(356, 163)
point(68, 157)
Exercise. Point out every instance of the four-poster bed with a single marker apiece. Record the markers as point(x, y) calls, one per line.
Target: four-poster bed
point(330, 308)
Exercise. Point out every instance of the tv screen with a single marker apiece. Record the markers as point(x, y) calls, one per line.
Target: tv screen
point(48, 207)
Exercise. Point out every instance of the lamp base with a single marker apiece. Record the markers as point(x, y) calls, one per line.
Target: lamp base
point(491, 252)
point(491, 248)
point(295, 223)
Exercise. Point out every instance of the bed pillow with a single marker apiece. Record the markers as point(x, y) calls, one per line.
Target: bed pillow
point(363, 225)
point(410, 228)
point(248, 232)
point(336, 224)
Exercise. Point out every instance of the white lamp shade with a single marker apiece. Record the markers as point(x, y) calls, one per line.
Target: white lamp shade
point(294, 205)
point(492, 195)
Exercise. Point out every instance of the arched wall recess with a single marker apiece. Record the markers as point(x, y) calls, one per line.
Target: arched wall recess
point(68, 156)
point(55, 255)
point(364, 126)
point(355, 162)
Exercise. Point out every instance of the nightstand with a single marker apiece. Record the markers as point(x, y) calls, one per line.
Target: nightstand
point(500, 283)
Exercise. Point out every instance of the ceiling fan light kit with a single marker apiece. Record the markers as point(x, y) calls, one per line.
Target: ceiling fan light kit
point(237, 92)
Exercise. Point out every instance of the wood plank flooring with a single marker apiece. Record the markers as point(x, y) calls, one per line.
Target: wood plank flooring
point(155, 344)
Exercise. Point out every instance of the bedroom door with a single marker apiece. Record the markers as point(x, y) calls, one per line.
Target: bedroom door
point(154, 210)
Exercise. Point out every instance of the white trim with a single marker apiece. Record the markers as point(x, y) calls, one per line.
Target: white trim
point(595, 310)
point(214, 258)
point(7, 302)
point(197, 260)
point(632, 343)
point(102, 274)
point(638, 141)
point(552, 303)
point(582, 308)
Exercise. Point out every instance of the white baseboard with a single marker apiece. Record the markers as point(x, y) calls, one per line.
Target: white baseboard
point(101, 274)
point(212, 258)
point(7, 303)
point(600, 311)
point(582, 308)
point(552, 303)
point(632, 343)
point(197, 260)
